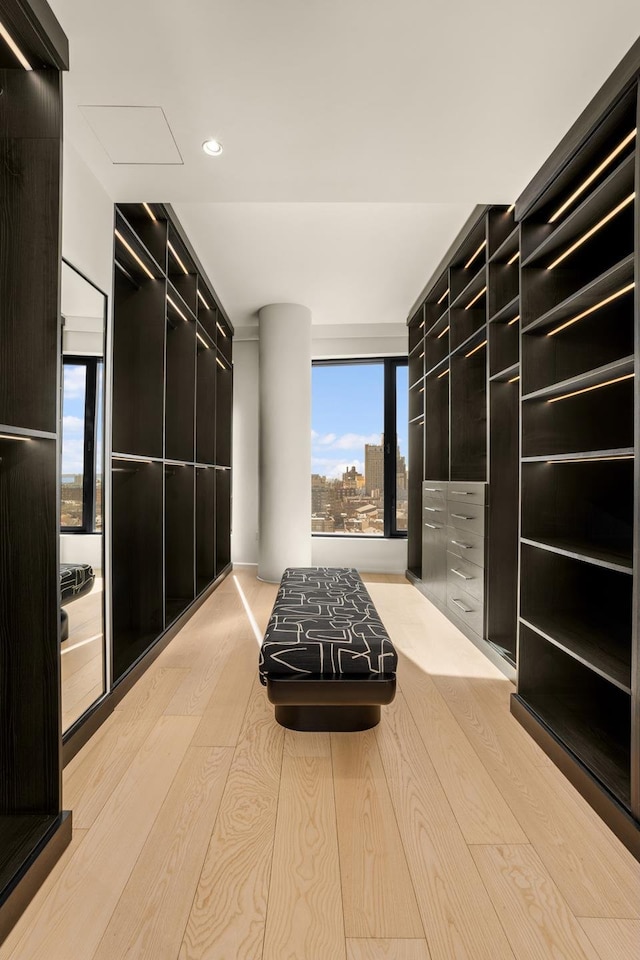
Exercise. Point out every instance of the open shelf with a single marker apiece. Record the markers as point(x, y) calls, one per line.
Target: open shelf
point(436, 456)
point(469, 411)
point(469, 263)
point(504, 289)
point(588, 714)
point(582, 608)
point(224, 399)
point(206, 371)
point(502, 559)
point(476, 281)
point(179, 585)
point(504, 344)
point(223, 520)
point(180, 388)
point(205, 527)
point(597, 420)
point(137, 551)
point(181, 271)
point(502, 231)
point(437, 342)
point(150, 233)
point(416, 330)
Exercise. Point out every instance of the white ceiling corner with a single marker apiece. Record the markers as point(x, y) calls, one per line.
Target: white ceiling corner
point(133, 134)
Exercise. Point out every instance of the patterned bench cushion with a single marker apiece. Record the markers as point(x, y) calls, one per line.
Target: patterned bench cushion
point(76, 579)
point(324, 626)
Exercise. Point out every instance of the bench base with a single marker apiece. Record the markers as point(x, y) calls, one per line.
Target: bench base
point(332, 719)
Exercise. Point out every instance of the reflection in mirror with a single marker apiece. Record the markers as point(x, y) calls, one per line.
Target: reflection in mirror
point(82, 633)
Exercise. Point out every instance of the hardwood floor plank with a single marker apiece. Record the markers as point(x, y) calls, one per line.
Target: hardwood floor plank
point(221, 721)
point(79, 907)
point(153, 691)
point(229, 908)
point(304, 744)
point(481, 811)
point(613, 939)
point(304, 912)
point(387, 950)
point(457, 915)
point(28, 920)
point(534, 915)
point(92, 776)
point(377, 894)
point(194, 693)
point(149, 920)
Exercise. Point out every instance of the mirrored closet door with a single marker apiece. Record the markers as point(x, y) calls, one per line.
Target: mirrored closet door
point(82, 607)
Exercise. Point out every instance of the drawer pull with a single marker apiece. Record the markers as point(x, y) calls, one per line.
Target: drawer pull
point(461, 575)
point(461, 516)
point(462, 493)
point(434, 489)
point(463, 546)
point(462, 606)
point(433, 509)
point(432, 526)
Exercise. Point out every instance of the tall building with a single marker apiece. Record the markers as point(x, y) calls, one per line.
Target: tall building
point(373, 468)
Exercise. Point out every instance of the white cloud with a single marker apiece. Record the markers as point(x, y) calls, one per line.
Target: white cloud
point(347, 441)
point(72, 426)
point(333, 469)
point(72, 456)
point(74, 382)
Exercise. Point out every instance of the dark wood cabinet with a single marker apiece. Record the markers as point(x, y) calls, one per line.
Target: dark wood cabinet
point(172, 410)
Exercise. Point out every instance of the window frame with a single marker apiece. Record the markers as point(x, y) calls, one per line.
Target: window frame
point(90, 363)
point(390, 366)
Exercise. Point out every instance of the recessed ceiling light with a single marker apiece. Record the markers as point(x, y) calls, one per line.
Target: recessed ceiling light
point(212, 147)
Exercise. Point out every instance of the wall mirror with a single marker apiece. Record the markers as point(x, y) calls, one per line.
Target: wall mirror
point(82, 606)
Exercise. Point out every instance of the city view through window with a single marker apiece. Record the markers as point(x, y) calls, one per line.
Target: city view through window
point(347, 449)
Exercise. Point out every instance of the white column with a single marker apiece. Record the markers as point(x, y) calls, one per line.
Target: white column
point(285, 439)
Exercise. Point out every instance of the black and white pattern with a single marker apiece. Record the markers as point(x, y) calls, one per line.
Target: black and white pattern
point(324, 625)
point(76, 579)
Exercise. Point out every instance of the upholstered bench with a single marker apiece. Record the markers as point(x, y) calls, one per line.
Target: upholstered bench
point(326, 659)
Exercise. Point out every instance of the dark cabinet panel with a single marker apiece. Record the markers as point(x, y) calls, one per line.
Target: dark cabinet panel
point(179, 532)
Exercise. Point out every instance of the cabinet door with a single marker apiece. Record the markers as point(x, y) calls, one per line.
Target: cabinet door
point(434, 559)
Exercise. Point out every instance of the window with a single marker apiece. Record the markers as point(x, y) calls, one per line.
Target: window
point(81, 473)
point(358, 455)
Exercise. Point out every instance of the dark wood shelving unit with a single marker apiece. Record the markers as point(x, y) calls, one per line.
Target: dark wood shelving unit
point(464, 426)
point(33, 828)
point(172, 408)
point(578, 684)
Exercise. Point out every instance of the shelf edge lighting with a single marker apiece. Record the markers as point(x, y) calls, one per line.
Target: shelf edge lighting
point(590, 233)
point(13, 46)
point(513, 380)
point(513, 258)
point(515, 320)
point(476, 298)
point(422, 325)
point(596, 386)
point(624, 456)
point(177, 309)
point(475, 349)
point(220, 363)
point(510, 209)
point(224, 332)
point(585, 313)
point(203, 301)
point(203, 341)
point(180, 263)
point(150, 212)
point(441, 375)
point(135, 256)
point(11, 436)
point(474, 255)
point(445, 294)
point(583, 186)
point(446, 330)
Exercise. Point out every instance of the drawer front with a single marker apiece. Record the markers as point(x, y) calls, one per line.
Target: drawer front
point(467, 492)
point(435, 510)
point(435, 490)
point(434, 560)
point(465, 576)
point(467, 608)
point(466, 516)
point(467, 545)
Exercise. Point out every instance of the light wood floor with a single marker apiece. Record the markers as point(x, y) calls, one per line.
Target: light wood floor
point(204, 831)
point(82, 655)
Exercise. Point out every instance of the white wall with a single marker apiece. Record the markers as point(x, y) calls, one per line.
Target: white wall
point(81, 548)
point(375, 556)
point(87, 221)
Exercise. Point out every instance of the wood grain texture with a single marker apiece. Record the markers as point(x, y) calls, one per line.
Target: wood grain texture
point(222, 718)
point(77, 911)
point(480, 809)
point(230, 905)
point(387, 950)
point(533, 913)
point(303, 744)
point(613, 939)
point(153, 691)
point(304, 916)
point(458, 917)
point(94, 773)
point(154, 907)
point(377, 893)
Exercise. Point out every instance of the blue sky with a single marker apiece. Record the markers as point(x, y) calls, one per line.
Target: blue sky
point(347, 412)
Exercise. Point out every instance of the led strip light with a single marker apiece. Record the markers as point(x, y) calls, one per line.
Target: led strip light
point(203, 301)
point(597, 306)
point(475, 349)
point(623, 456)
point(476, 298)
point(515, 320)
point(474, 255)
point(135, 256)
point(150, 212)
point(224, 333)
point(590, 233)
point(13, 46)
point(441, 375)
point(177, 309)
point(513, 259)
point(446, 329)
point(596, 173)
point(173, 251)
point(445, 294)
point(596, 386)
point(203, 341)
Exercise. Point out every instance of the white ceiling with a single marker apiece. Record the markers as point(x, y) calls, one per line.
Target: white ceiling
point(358, 134)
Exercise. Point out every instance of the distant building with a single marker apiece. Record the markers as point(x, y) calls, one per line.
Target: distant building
point(373, 469)
point(353, 481)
